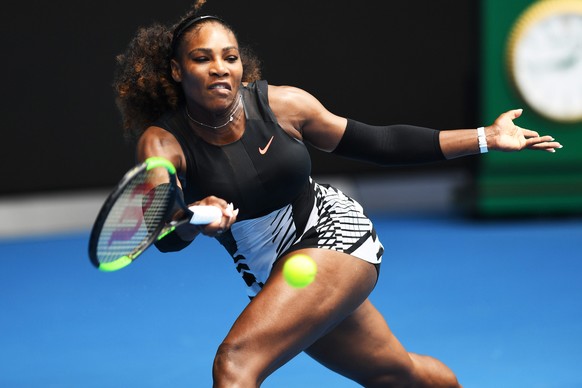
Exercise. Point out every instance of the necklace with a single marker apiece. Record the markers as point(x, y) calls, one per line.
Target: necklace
point(232, 112)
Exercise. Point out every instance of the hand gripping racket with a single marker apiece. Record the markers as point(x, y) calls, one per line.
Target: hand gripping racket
point(140, 211)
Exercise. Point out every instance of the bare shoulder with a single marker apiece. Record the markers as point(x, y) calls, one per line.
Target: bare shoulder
point(293, 107)
point(291, 97)
point(298, 111)
point(282, 91)
point(156, 141)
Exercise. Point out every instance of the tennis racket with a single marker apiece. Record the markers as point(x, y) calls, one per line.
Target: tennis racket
point(138, 212)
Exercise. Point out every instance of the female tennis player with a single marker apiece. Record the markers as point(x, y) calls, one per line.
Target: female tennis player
point(191, 94)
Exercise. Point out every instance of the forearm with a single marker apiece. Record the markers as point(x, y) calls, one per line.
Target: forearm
point(180, 237)
point(456, 143)
point(171, 243)
point(390, 145)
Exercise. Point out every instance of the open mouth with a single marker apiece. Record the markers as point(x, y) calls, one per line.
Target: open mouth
point(219, 86)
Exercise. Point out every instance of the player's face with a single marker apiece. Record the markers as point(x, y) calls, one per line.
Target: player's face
point(209, 67)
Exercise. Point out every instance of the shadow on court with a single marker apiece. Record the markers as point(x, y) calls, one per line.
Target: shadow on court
point(500, 303)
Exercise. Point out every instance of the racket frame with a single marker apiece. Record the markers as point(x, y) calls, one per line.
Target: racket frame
point(161, 230)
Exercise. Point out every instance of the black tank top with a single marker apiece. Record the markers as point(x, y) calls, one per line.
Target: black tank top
point(264, 170)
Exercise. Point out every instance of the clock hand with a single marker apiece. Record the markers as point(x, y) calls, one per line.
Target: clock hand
point(571, 59)
point(560, 64)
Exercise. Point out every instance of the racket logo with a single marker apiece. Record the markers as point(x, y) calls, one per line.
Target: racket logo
point(133, 216)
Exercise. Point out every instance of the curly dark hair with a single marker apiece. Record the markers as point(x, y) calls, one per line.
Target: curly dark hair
point(143, 85)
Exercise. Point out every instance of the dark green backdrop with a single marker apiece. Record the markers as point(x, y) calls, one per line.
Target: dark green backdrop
point(528, 183)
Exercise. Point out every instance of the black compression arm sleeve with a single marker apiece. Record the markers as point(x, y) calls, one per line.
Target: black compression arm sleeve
point(390, 145)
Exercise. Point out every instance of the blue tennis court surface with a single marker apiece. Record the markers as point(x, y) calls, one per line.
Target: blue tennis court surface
point(500, 303)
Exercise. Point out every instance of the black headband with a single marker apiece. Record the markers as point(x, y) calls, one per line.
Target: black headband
point(186, 24)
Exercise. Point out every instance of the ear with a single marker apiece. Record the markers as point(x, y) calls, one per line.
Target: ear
point(176, 71)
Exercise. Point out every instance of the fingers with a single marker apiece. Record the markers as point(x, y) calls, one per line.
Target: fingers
point(529, 133)
point(229, 215)
point(536, 142)
point(544, 143)
point(510, 114)
point(515, 113)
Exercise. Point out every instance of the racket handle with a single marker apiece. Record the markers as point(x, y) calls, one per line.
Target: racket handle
point(204, 214)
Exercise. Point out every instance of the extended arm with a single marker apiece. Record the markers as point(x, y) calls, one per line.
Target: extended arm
point(302, 114)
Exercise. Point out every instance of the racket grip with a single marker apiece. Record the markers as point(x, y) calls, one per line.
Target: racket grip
point(204, 214)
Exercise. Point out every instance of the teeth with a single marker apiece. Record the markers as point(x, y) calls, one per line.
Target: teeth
point(218, 87)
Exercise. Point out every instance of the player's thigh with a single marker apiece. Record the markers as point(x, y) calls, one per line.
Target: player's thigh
point(363, 348)
point(281, 321)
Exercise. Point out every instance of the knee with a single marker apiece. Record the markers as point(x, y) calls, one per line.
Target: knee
point(229, 369)
point(226, 364)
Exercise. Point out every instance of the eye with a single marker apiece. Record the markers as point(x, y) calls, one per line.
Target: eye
point(232, 58)
point(200, 59)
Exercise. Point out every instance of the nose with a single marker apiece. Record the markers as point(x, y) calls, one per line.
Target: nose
point(219, 68)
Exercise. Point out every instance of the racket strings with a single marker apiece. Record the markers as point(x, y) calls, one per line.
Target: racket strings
point(136, 215)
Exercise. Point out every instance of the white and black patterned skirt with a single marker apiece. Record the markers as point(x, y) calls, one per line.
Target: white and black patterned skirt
point(335, 222)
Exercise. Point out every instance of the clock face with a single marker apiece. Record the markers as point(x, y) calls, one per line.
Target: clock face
point(545, 61)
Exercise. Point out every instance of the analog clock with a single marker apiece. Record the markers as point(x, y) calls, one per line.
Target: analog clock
point(544, 57)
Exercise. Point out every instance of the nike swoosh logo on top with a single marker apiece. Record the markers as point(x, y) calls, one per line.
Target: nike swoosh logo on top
point(263, 151)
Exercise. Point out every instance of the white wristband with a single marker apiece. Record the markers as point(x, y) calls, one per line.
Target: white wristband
point(482, 140)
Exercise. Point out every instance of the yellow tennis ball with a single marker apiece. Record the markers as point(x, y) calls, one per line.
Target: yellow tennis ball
point(299, 270)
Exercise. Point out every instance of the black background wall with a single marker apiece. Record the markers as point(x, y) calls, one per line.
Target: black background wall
point(381, 62)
